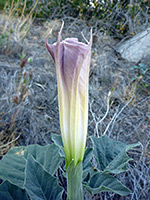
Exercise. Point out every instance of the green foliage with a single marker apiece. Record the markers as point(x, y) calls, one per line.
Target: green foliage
point(142, 75)
point(9, 191)
point(16, 159)
point(2, 4)
point(40, 184)
point(103, 183)
point(4, 38)
point(31, 168)
point(111, 159)
point(141, 69)
point(111, 154)
point(116, 17)
point(30, 171)
point(14, 163)
point(58, 142)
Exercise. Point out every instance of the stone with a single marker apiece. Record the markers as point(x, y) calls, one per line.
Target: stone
point(137, 48)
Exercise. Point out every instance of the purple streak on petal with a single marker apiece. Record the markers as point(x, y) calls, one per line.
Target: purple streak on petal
point(74, 55)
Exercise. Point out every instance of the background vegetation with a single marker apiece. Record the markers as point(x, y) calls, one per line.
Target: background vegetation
point(119, 18)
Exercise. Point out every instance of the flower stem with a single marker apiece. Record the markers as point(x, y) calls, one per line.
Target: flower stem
point(74, 182)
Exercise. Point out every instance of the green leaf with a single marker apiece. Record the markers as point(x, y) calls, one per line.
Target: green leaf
point(12, 166)
point(144, 71)
point(133, 78)
point(119, 163)
point(111, 158)
point(135, 67)
point(142, 65)
point(111, 154)
point(13, 163)
point(11, 30)
point(87, 158)
point(23, 56)
point(39, 183)
point(9, 191)
point(87, 167)
point(105, 183)
point(146, 85)
point(48, 156)
point(58, 142)
point(30, 59)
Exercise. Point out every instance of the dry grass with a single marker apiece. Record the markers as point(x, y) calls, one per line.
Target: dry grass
point(16, 20)
point(14, 26)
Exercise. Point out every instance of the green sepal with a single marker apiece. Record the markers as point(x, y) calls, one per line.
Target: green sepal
point(57, 139)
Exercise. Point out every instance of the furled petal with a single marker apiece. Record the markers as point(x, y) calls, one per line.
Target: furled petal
point(72, 59)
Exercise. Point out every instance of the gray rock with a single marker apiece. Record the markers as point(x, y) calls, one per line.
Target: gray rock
point(136, 48)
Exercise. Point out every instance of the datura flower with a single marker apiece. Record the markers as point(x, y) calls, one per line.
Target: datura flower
point(72, 60)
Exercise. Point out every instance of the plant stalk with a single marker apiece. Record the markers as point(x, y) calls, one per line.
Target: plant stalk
point(74, 182)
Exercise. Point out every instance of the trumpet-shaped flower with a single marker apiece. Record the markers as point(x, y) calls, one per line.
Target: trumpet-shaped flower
point(72, 60)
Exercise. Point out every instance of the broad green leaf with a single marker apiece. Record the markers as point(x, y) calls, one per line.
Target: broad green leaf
point(135, 67)
point(142, 65)
point(39, 184)
point(58, 142)
point(12, 165)
point(87, 167)
point(87, 158)
point(101, 182)
point(9, 191)
point(48, 156)
point(119, 163)
point(146, 85)
point(133, 78)
point(111, 154)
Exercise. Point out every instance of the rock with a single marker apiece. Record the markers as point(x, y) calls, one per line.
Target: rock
point(136, 48)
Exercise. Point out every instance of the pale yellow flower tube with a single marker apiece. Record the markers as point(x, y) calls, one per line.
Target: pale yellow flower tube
point(72, 60)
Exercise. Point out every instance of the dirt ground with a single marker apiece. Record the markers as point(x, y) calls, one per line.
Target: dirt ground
point(124, 114)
